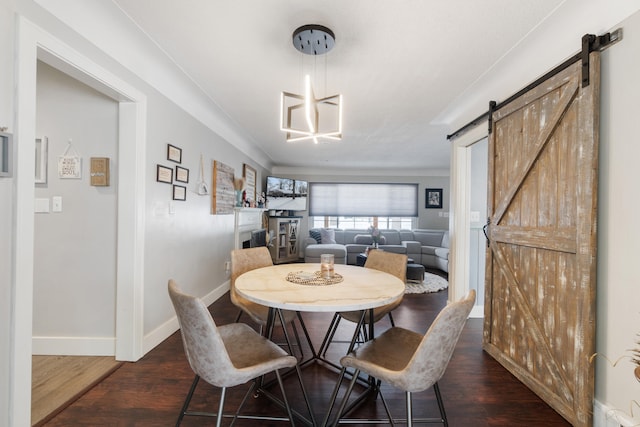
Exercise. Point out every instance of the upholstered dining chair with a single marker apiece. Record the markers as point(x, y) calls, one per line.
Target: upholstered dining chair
point(243, 260)
point(410, 361)
point(392, 263)
point(226, 356)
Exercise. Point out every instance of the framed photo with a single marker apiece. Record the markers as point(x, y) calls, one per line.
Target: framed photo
point(179, 192)
point(164, 174)
point(182, 174)
point(41, 160)
point(174, 153)
point(433, 198)
point(249, 175)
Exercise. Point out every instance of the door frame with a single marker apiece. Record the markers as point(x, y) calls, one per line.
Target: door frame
point(35, 44)
point(460, 220)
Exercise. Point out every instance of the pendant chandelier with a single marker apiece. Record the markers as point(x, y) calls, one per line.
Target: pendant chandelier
point(305, 117)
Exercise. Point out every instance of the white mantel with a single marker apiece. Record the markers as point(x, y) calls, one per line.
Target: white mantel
point(246, 221)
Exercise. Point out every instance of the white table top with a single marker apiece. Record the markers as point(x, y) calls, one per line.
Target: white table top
point(362, 288)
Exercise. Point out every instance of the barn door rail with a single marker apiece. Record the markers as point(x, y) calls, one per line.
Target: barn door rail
point(590, 43)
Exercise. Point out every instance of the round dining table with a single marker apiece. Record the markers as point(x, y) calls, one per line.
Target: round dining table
point(300, 287)
point(360, 288)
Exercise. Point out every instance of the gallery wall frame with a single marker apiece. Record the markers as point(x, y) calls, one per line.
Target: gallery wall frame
point(174, 153)
point(164, 174)
point(6, 142)
point(433, 198)
point(249, 175)
point(42, 150)
point(179, 192)
point(182, 174)
point(223, 195)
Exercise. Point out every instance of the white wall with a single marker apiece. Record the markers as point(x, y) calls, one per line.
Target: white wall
point(75, 250)
point(618, 293)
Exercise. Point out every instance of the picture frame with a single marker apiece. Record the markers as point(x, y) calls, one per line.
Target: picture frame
point(249, 175)
point(223, 196)
point(433, 198)
point(179, 192)
point(174, 153)
point(182, 174)
point(164, 174)
point(6, 155)
point(42, 149)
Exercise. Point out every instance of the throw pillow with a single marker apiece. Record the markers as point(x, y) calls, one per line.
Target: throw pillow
point(316, 235)
point(327, 235)
point(363, 239)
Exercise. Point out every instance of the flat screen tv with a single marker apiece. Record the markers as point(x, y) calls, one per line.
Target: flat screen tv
point(286, 194)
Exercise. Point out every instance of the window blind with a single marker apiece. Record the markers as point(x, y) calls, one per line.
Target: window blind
point(363, 199)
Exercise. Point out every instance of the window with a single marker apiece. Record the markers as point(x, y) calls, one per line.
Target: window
point(363, 222)
point(362, 199)
point(360, 205)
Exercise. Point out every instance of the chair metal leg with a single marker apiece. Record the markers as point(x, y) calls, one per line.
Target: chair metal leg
point(443, 414)
point(185, 405)
point(223, 392)
point(409, 410)
point(386, 407)
point(284, 397)
point(239, 316)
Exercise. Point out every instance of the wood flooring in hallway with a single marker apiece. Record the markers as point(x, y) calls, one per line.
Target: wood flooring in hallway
point(477, 391)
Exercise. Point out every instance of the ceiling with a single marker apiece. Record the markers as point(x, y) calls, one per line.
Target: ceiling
point(400, 66)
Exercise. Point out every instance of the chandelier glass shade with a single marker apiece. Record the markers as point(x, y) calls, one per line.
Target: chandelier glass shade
point(306, 117)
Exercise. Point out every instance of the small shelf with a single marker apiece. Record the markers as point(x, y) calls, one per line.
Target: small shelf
point(284, 246)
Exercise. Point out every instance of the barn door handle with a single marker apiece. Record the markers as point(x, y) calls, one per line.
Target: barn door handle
point(484, 230)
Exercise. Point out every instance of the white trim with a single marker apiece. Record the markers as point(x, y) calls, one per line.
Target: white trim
point(605, 416)
point(460, 218)
point(33, 43)
point(74, 346)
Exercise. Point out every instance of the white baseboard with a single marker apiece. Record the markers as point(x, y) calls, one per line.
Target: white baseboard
point(477, 312)
point(164, 331)
point(606, 416)
point(74, 346)
point(92, 346)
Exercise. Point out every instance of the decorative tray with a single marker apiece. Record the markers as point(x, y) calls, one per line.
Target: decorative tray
point(312, 278)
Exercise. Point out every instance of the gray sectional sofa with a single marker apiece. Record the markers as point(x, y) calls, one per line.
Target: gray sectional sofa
point(425, 246)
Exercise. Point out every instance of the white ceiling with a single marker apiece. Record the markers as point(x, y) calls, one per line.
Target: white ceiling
point(398, 64)
point(411, 71)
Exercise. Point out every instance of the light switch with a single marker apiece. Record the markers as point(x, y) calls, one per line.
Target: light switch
point(57, 203)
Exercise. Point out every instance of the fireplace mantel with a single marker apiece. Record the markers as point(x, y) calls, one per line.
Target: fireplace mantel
point(246, 221)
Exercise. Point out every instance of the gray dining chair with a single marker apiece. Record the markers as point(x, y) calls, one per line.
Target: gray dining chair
point(409, 361)
point(243, 260)
point(392, 263)
point(227, 356)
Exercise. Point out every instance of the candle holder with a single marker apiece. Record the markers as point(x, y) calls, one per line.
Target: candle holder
point(327, 265)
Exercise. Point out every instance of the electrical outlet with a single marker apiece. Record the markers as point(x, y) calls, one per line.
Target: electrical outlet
point(227, 266)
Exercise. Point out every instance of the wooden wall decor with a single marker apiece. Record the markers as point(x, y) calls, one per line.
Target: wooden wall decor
point(223, 196)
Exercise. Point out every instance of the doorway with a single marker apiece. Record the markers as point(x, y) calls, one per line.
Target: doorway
point(33, 44)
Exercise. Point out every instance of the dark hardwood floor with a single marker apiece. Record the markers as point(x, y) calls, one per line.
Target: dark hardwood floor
point(476, 390)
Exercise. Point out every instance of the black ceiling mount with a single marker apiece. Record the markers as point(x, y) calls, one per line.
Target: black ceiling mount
point(589, 43)
point(313, 39)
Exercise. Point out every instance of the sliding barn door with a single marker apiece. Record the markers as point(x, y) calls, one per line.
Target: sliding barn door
point(540, 285)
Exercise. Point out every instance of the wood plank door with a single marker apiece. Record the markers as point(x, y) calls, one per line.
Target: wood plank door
point(540, 271)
